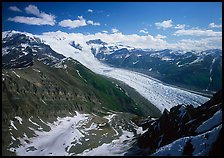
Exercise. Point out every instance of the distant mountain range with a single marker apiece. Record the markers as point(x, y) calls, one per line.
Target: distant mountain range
point(200, 70)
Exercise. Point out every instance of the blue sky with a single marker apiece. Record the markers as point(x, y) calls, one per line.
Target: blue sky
point(172, 21)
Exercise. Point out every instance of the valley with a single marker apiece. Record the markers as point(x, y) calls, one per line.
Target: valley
point(111, 79)
point(63, 101)
point(148, 88)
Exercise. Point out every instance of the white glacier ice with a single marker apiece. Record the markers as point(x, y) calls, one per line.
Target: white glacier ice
point(159, 94)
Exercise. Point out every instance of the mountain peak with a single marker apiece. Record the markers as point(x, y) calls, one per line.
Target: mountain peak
point(96, 41)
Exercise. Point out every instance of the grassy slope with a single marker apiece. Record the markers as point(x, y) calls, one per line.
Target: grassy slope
point(60, 89)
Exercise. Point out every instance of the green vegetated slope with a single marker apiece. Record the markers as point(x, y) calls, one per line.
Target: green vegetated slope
point(58, 90)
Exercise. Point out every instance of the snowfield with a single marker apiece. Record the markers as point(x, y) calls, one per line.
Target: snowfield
point(62, 135)
point(159, 94)
point(74, 135)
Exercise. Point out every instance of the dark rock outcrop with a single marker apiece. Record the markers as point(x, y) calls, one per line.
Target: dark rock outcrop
point(179, 122)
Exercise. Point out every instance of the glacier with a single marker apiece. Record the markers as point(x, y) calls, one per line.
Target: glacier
point(160, 94)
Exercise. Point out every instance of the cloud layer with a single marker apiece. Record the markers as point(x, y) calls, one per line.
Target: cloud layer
point(197, 32)
point(145, 41)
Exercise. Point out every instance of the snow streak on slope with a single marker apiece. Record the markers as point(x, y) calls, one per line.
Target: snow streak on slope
point(160, 95)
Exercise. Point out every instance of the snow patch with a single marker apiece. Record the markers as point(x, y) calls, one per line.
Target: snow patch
point(12, 125)
point(80, 75)
point(33, 122)
point(19, 119)
point(36, 70)
point(166, 59)
point(135, 62)
point(15, 74)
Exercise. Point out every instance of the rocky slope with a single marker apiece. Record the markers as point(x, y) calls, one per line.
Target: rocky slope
point(184, 130)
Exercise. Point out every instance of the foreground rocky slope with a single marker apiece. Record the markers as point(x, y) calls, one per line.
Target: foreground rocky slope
point(184, 130)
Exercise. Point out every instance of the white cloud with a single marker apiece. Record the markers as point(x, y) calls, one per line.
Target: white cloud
point(15, 9)
point(90, 10)
point(73, 23)
point(165, 24)
point(29, 20)
point(197, 32)
point(180, 26)
point(144, 41)
point(104, 31)
point(213, 25)
point(92, 23)
point(160, 36)
point(32, 9)
point(114, 30)
point(41, 19)
point(144, 31)
point(77, 23)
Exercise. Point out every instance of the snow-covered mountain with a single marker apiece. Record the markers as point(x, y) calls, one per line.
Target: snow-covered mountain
point(19, 50)
point(161, 95)
point(171, 66)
